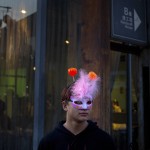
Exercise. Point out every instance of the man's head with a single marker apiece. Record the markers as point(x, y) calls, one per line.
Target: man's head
point(82, 91)
point(78, 103)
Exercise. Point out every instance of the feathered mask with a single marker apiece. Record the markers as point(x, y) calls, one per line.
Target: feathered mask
point(86, 85)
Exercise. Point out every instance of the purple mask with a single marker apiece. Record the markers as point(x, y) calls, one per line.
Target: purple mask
point(84, 103)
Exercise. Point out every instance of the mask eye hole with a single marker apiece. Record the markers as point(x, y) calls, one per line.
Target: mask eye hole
point(89, 102)
point(78, 102)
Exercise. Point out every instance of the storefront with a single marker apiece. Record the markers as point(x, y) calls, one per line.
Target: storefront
point(17, 61)
point(39, 41)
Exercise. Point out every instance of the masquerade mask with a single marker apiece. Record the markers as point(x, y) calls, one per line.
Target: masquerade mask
point(85, 103)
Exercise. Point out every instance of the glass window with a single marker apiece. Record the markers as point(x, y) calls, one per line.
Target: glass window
point(17, 48)
point(119, 102)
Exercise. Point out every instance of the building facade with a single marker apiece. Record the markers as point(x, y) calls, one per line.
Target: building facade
point(40, 40)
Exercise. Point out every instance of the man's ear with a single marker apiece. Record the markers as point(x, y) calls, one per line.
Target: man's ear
point(64, 105)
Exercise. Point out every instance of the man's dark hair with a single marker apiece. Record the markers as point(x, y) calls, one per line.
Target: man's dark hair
point(66, 93)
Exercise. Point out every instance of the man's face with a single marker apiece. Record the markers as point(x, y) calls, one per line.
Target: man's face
point(79, 109)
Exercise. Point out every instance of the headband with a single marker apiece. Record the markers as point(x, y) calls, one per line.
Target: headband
point(87, 84)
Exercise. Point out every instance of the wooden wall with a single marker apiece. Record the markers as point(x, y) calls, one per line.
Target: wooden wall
point(95, 52)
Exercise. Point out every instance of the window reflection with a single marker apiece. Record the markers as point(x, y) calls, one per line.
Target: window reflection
point(17, 48)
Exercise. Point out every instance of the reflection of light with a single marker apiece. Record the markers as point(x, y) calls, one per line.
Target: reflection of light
point(34, 68)
point(67, 42)
point(23, 11)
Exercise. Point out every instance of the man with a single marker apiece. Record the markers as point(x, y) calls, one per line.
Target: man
point(78, 132)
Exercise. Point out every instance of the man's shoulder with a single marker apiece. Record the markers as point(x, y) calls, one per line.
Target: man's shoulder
point(102, 133)
point(53, 134)
point(101, 137)
point(98, 131)
point(47, 140)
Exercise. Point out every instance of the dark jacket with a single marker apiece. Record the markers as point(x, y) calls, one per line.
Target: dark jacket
point(92, 138)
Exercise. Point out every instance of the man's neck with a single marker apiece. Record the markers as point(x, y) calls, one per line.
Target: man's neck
point(75, 127)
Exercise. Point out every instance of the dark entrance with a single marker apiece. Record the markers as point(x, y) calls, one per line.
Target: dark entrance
point(146, 99)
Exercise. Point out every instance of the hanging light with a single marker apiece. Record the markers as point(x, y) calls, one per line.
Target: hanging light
point(23, 11)
point(6, 18)
point(67, 42)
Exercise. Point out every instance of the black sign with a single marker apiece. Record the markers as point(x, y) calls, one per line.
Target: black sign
point(129, 21)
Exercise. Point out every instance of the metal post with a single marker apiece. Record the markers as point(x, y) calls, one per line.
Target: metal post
point(39, 91)
point(129, 103)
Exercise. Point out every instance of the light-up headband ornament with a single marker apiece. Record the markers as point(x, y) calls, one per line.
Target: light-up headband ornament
point(87, 85)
